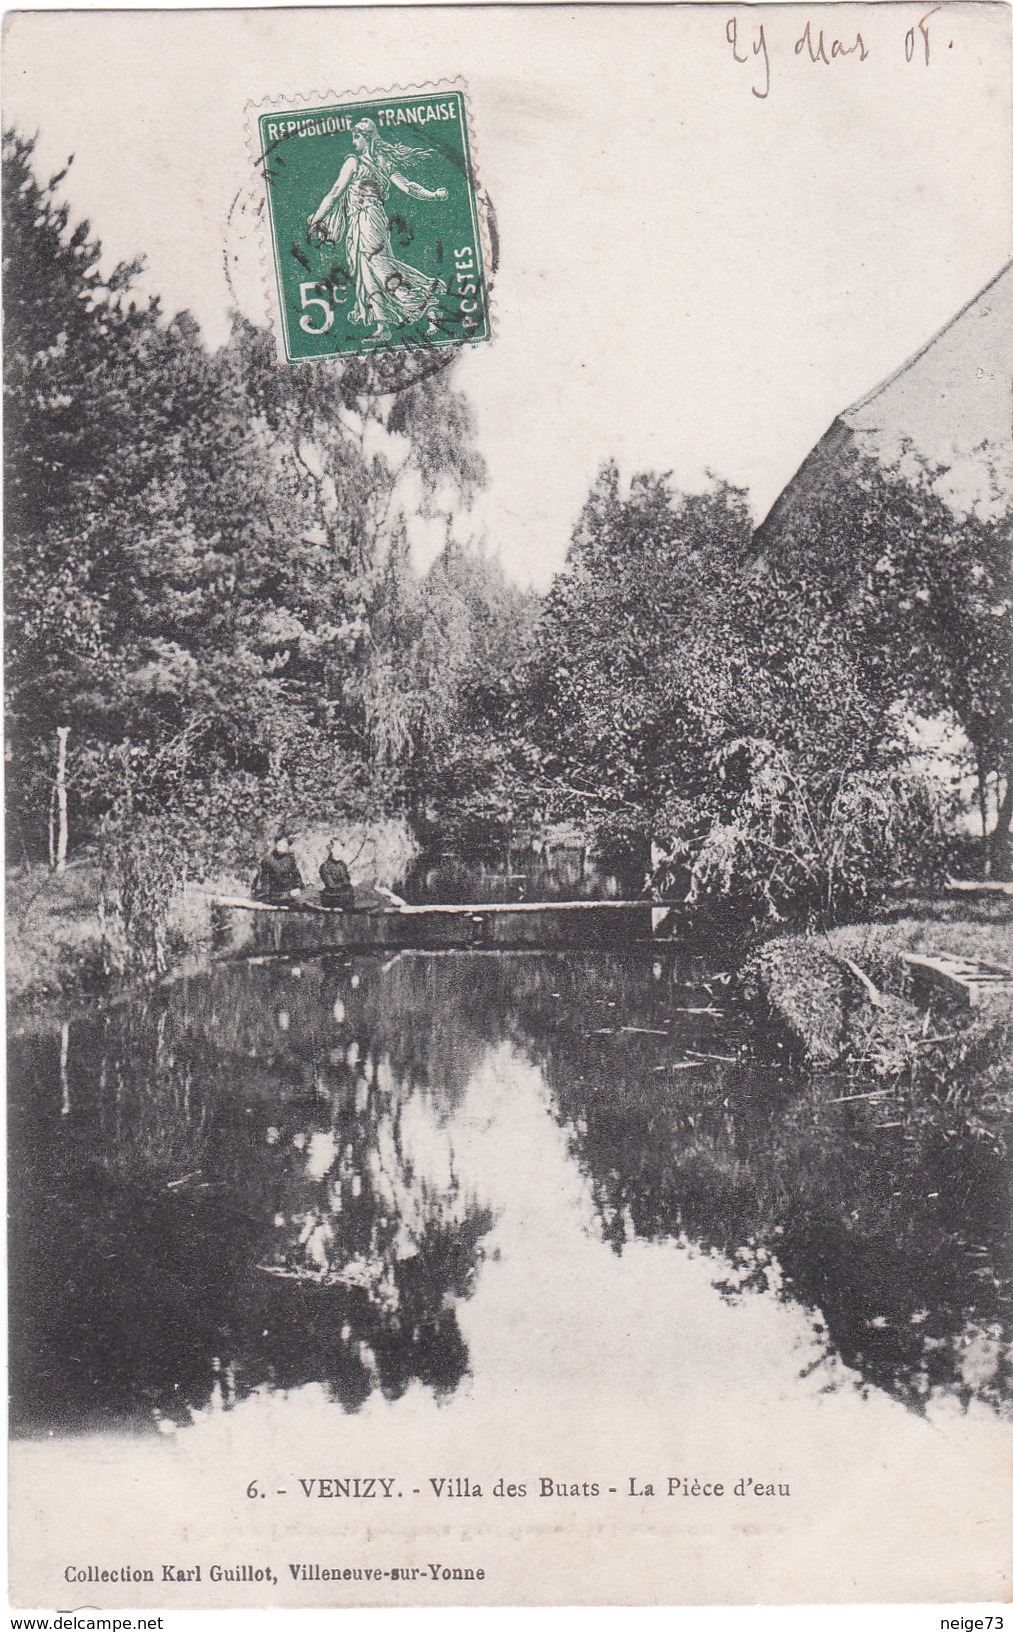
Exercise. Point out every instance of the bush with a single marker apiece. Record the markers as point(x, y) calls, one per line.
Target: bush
point(820, 843)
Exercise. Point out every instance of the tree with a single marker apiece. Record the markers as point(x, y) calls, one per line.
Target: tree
point(449, 648)
point(686, 693)
point(922, 594)
point(610, 699)
point(199, 551)
point(74, 342)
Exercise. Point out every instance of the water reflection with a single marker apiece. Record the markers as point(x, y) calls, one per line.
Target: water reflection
point(260, 1178)
point(232, 1199)
point(898, 1238)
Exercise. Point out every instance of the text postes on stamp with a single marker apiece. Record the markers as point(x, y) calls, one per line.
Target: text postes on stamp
point(376, 234)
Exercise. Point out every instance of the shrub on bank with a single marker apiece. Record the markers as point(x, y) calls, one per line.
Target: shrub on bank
point(825, 1005)
point(845, 1000)
point(140, 905)
point(799, 842)
point(54, 942)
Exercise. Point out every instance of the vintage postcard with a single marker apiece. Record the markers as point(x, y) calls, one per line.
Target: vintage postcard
point(508, 800)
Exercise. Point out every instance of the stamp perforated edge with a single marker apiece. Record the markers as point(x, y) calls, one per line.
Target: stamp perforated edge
point(308, 101)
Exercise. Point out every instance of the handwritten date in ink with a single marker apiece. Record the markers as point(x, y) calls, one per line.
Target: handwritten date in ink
point(751, 45)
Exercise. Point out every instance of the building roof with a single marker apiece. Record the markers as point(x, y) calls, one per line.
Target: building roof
point(949, 407)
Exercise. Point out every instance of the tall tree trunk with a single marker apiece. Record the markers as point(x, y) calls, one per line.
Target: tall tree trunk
point(64, 1073)
point(982, 777)
point(1001, 836)
point(128, 780)
point(59, 858)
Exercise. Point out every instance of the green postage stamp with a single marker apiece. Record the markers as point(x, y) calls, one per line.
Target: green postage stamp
point(376, 232)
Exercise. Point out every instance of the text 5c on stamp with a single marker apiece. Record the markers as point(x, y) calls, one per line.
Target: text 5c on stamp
point(375, 226)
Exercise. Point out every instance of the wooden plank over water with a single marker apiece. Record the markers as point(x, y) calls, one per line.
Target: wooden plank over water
point(473, 925)
point(463, 909)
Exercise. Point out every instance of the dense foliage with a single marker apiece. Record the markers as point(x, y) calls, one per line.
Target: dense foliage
point(688, 693)
point(923, 596)
point(211, 601)
point(207, 575)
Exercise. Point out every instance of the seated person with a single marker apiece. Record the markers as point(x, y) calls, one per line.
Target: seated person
point(278, 877)
point(336, 881)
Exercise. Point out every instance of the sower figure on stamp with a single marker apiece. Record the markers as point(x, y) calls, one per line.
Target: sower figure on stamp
point(278, 877)
point(388, 292)
point(336, 880)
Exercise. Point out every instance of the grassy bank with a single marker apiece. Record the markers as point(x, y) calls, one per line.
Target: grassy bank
point(845, 1001)
point(54, 933)
point(66, 937)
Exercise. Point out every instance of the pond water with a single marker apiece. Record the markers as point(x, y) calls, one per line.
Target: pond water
point(389, 1179)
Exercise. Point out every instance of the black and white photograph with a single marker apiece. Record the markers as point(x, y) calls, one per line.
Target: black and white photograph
point(508, 518)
